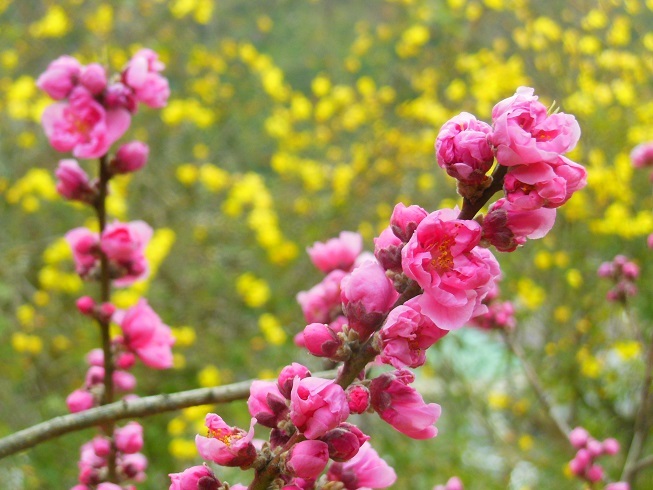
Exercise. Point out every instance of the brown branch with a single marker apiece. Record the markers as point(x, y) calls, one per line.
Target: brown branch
point(139, 407)
point(470, 208)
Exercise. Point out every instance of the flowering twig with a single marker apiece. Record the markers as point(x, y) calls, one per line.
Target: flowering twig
point(139, 407)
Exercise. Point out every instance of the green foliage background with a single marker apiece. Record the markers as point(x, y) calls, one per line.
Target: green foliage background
point(288, 122)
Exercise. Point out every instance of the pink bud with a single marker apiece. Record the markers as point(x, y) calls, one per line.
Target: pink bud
point(95, 357)
point(195, 477)
point(454, 483)
point(387, 250)
point(60, 77)
point(611, 446)
point(130, 157)
point(125, 360)
point(642, 155)
point(649, 241)
point(124, 381)
point(307, 459)
point(106, 311)
point(594, 447)
point(578, 437)
point(101, 446)
point(344, 442)
point(266, 403)
point(85, 305)
point(73, 182)
point(79, 400)
point(129, 439)
point(595, 473)
point(358, 397)
point(336, 253)
point(287, 376)
point(321, 340)
point(94, 78)
point(404, 220)
point(118, 95)
point(619, 485)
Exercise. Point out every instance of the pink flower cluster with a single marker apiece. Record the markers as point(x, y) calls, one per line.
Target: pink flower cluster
point(584, 466)
point(499, 316)
point(94, 112)
point(130, 463)
point(454, 483)
point(623, 273)
point(122, 243)
point(642, 155)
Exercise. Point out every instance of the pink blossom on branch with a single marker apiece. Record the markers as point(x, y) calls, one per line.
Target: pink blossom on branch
point(83, 126)
point(266, 403)
point(642, 155)
point(317, 405)
point(307, 459)
point(142, 75)
point(365, 470)
point(73, 182)
point(225, 445)
point(443, 258)
point(124, 244)
point(61, 76)
point(195, 478)
point(336, 253)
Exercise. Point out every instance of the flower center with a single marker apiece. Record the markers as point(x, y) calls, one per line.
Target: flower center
point(224, 435)
point(441, 257)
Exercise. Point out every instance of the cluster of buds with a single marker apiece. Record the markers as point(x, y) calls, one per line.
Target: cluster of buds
point(584, 464)
point(623, 273)
point(92, 112)
point(500, 315)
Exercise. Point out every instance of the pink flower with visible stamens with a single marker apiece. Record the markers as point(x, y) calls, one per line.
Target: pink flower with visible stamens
point(443, 257)
point(83, 126)
point(225, 445)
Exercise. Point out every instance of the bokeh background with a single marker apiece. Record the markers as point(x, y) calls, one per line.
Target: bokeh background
point(290, 121)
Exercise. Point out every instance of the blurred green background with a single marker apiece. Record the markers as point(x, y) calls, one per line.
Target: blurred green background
point(288, 122)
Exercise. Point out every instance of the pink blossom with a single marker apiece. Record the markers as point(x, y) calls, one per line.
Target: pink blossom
point(320, 340)
point(142, 76)
point(60, 77)
point(225, 445)
point(124, 381)
point(443, 257)
point(358, 398)
point(109, 486)
point(130, 157)
point(367, 295)
point(80, 400)
point(317, 405)
point(579, 437)
point(642, 155)
point(133, 466)
point(101, 446)
point(387, 250)
point(94, 78)
point(287, 377)
point(266, 403)
point(85, 305)
point(124, 244)
point(73, 183)
point(82, 126)
point(85, 248)
point(365, 470)
point(321, 303)
point(336, 253)
point(610, 446)
point(523, 133)
point(619, 485)
point(403, 407)
point(506, 227)
point(147, 336)
point(307, 459)
point(404, 220)
point(194, 478)
point(406, 334)
point(454, 483)
point(462, 148)
point(120, 96)
point(344, 441)
point(129, 439)
point(500, 315)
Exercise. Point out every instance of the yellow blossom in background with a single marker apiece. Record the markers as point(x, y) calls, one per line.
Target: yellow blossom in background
point(254, 291)
point(628, 349)
point(530, 294)
point(55, 23)
point(271, 329)
point(183, 449)
point(209, 376)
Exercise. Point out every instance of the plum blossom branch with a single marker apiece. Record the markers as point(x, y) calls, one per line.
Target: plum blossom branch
point(139, 407)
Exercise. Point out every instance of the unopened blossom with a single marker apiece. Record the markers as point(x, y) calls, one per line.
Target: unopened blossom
point(454, 483)
point(225, 445)
point(307, 459)
point(367, 296)
point(287, 377)
point(94, 78)
point(80, 400)
point(344, 441)
point(317, 405)
point(506, 227)
point(336, 253)
point(266, 403)
point(500, 315)
point(320, 340)
point(61, 76)
point(73, 182)
point(404, 220)
point(387, 250)
point(642, 155)
point(402, 406)
point(406, 334)
point(365, 470)
point(523, 133)
point(142, 75)
point(195, 478)
point(133, 466)
point(130, 157)
point(463, 150)
point(358, 397)
point(584, 465)
point(619, 485)
point(321, 303)
point(84, 245)
point(124, 381)
point(147, 336)
point(83, 126)
point(443, 258)
point(129, 438)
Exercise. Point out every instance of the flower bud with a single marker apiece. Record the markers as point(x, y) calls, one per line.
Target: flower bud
point(610, 446)
point(578, 437)
point(287, 376)
point(344, 442)
point(307, 459)
point(73, 182)
point(320, 340)
point(404, 220)
point(358, 397)
point(129, 439)
point(387, 250)
point(94, 78)
point(195, 477)
point(130, 157)
point(79, 400)
point(85, 305)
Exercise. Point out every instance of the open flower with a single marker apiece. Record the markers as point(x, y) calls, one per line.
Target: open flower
point(225, 445)
point(365, 470)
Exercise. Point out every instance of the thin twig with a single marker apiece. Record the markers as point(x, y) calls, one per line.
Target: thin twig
point(535, 383)
point(139, 407)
